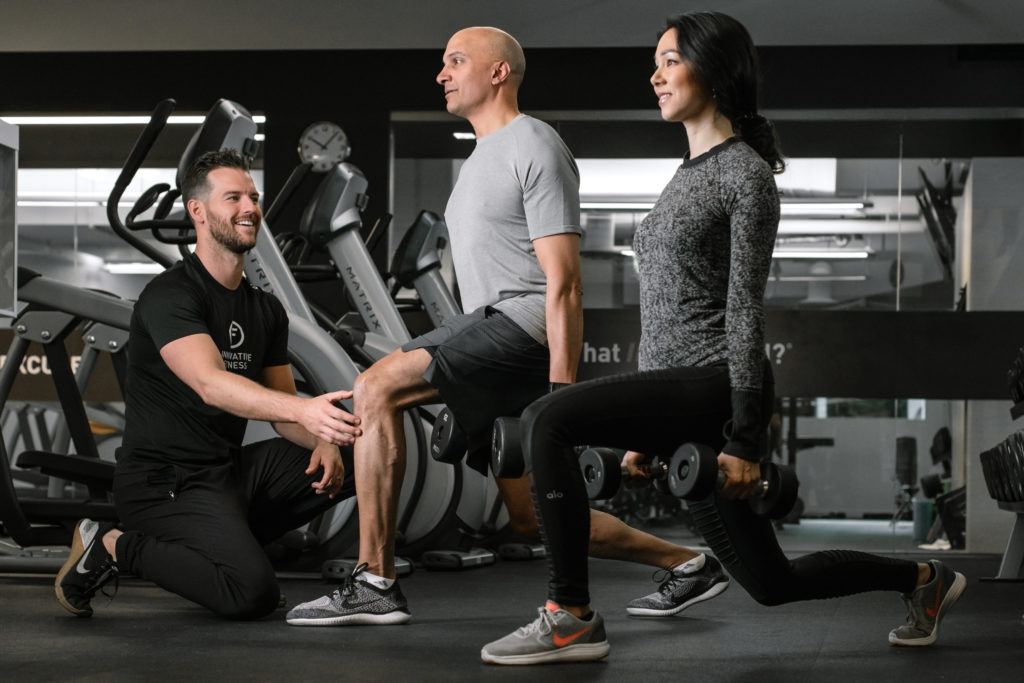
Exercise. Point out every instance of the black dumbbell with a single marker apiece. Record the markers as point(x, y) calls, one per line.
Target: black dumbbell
point(603, 473)
point(507, 460)
point(693, 474)
point(447, 440)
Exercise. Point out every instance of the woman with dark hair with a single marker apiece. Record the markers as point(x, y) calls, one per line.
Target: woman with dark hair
point(703, 255)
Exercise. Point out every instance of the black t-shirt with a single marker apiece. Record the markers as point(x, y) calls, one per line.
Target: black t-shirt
point(167, 422)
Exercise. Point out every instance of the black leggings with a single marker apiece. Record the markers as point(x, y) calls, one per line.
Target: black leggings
point(200, 532)
point(654, 412)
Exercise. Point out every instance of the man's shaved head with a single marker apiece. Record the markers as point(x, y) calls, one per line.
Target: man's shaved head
point(497, 45)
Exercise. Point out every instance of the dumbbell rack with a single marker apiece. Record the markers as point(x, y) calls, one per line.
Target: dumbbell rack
point(1003, 467)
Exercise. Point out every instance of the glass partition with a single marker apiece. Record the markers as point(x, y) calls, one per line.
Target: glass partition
point(870, 208)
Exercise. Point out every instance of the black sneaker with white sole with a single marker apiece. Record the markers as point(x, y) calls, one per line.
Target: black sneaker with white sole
point(357, 602)
point(88, 569)
point(698, 580)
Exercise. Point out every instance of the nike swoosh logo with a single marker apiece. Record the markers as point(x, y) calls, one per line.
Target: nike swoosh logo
point(932, 611)
point(351, 604)
point(80, 567)
point(562, 641)
point(90, 534)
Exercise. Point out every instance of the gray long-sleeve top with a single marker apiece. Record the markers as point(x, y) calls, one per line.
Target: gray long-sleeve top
point(703, 253)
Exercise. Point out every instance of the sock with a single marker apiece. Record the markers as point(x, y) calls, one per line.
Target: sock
point(690, 567)
point(377, 581)
point(552, 606)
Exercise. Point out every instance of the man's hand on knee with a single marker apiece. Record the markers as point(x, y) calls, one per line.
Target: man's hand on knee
point(327, 422)
point(328, 457)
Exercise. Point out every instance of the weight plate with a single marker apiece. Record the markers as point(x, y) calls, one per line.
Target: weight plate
point(692, 472)
point(602, 472)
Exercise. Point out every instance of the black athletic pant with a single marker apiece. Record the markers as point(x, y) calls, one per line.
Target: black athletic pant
point(654, 412)
point(200, 532)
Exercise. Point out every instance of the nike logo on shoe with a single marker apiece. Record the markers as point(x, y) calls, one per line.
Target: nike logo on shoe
point(353, 602)
point(562, 641)
point(932, 611)
point(80, 567)
point(88, 531)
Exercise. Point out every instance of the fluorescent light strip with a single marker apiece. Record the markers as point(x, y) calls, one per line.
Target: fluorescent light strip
point(819, 254)
point(818, 278)
point(105, 120)
point(66, 203)
point(464, 136)
point(788, 208)
point(616, 206)
point(56, 203)
point(133, 268)
point(848, 226)
point(794, 207)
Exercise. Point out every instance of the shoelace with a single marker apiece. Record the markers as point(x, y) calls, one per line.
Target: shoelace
point(667, 579)
point(913, 618)
point(349, 587)
point(543, 624)
point(107, 571)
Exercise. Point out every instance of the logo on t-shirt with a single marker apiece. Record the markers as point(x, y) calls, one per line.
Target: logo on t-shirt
point(236, 337)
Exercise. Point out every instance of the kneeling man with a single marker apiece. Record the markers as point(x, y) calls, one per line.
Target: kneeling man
point(208, 352)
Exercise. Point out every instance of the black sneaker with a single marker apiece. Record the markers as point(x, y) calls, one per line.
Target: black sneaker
point(698, 580)
point(356, 602)
point(89, 568)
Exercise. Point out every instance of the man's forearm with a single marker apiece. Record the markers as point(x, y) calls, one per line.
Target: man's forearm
point(564, 320)
point(242, 397)
point(297, 434)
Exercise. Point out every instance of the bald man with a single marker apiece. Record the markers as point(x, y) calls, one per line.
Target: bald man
point(514, 222)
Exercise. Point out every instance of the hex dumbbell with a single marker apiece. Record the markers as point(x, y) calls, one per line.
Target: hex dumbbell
point(507, 460)
point(448, 442)
point(693, 474)
point(603, 473)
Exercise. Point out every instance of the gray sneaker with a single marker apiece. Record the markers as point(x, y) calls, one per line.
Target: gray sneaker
point(356, 602)
point(554, 636)
point(698, 580)
point(927, 605)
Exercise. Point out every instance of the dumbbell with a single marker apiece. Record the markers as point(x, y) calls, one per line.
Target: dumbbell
point(507, 460)
point(603, 473)
point(448, 442)
point(693, 474)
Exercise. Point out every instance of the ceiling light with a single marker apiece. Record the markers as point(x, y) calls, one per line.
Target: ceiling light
point(133, 268)
point(818, 278)
point(822, 208)
point(464, 136)
point(105, 120)
point(259, 137)
point(821, 254)
point(55, 203)
point(616, 206)
point(848, 226)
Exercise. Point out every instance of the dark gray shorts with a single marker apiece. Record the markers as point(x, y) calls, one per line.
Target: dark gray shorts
point(484, 366)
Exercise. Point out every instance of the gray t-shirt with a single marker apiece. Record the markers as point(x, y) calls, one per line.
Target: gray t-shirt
point(519, 184)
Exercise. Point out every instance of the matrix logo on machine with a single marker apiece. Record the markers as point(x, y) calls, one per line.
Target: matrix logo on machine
point(236, 337)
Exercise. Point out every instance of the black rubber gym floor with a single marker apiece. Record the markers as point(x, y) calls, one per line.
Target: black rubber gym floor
point(145, 633)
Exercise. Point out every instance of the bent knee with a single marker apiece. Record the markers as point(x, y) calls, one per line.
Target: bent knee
point(252, 602)
point(371, 391)
point(769, 599)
